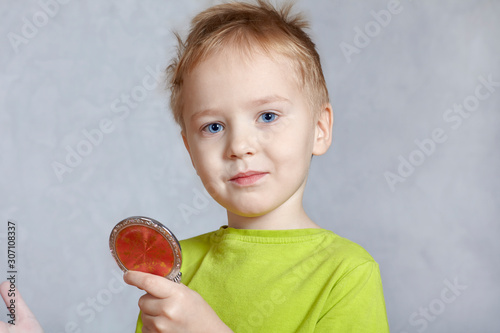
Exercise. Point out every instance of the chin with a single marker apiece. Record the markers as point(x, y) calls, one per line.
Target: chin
point(249, 212)
point(249, 215)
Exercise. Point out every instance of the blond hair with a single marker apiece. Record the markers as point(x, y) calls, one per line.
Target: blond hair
point(247, 26)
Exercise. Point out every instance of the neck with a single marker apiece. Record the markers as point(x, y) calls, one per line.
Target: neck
point(290, 215)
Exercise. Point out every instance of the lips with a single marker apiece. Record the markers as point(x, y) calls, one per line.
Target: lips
point(247, 178)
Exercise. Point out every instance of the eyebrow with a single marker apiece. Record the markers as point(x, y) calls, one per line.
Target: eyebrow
point(254, 103)
point(268, 99)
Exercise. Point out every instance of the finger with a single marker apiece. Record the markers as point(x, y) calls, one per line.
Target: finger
point(153, 306)
point(154, 324)
point(155, 285)
point(4, 328)
point(10, 296)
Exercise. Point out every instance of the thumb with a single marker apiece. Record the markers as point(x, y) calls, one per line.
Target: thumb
point(15, 303)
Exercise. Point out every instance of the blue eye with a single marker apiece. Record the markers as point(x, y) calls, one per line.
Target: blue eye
point(214, 128)
point(268, 117)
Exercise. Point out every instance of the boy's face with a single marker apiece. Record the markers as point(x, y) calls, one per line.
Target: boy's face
point(250, 132)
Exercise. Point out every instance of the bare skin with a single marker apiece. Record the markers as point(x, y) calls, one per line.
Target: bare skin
point(172, 307)
point(25, 321)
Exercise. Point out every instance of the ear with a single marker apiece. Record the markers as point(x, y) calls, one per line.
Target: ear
point(186, 144)
point(323, 130)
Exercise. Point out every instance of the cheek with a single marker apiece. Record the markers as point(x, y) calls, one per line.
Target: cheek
point(292, 158)
point(294, 141)
point(202, 151)
point(207, 161)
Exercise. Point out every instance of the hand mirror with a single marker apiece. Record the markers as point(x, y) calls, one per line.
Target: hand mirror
point(143, 244)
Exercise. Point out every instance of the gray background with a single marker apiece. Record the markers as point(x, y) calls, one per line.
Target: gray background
point(438, 227)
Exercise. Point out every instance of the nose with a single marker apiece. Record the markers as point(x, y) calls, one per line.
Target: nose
point(241, 143)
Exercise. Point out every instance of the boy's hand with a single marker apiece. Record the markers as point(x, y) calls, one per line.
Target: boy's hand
point(25, 320)
point(172, 307)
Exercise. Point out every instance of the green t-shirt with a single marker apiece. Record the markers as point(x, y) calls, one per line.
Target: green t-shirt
point(299, 280)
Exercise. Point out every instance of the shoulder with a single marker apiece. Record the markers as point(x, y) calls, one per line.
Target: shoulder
point(197, 244)
point(343, 258)
point(356, 290)
point(194, 249)
point(344, 248)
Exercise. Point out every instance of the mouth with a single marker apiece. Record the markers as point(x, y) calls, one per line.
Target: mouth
point(247, 178)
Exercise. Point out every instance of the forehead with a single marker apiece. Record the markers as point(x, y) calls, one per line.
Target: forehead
point(235, 75)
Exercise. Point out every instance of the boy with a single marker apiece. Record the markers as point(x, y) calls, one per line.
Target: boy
point(248, 92)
